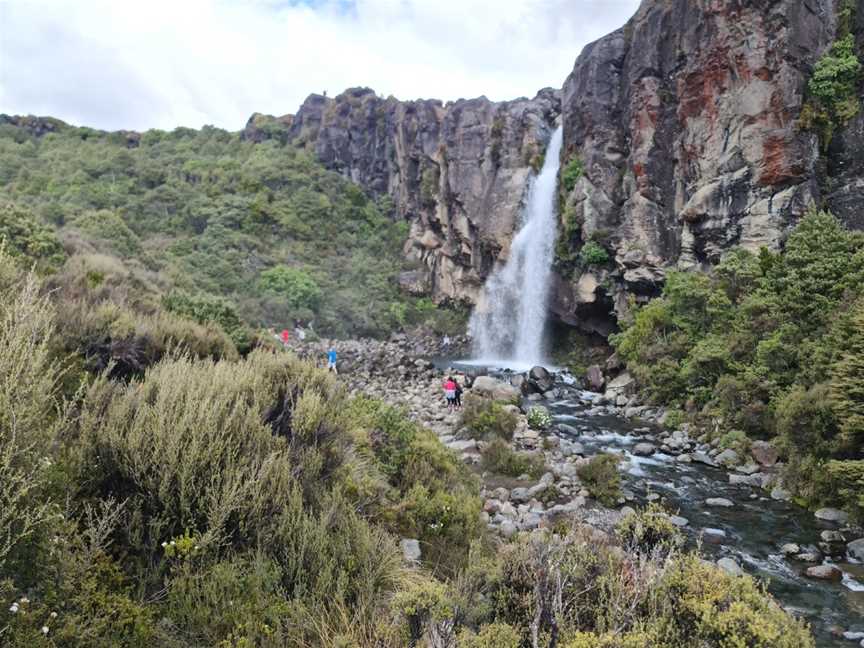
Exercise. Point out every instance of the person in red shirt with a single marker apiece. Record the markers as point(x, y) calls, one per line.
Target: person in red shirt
point(450, 392)
point(285, 335)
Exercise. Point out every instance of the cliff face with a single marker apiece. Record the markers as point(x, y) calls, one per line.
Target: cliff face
point(457, 172)
point(687, 125)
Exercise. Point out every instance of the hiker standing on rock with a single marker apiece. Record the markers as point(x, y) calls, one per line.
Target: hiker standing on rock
point(331, 360)
point(458, 397)
point(450, 393)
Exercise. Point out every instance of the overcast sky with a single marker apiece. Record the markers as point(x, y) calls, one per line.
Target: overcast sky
point(141, 64)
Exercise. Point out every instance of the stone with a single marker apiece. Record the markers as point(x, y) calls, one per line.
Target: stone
point(508, 529)
point(790, 548)
point(679, 521)
point(622, 385)
point(644, 449)
point(595, 378)
point(563, 428)
point(748, 469)
point(855, 549)
point(809, 556)
point(519, 495)
point(730, 566)
point(684, 458)
point(764, 453)
point(701, 457)
point(832, 515)
point(713, 536)
point(825, 572)
point(831, 536)
point(781, 494)
point(463, 446)
point(719, 501)
point(411, 549)
point(727, 458)
point(540, 379)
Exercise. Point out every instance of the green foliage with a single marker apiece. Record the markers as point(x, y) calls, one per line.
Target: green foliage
point(21, 234)
point(602, 478)
point(593, 253)
point(498, 457)
point(571, 173)
point(485, 416)
point(649, 531)
point(539, 418)
point(833, 89)
point(767, 345)
point(494, 635)
point(205, 212)
point(292, 284)
point(208, 309)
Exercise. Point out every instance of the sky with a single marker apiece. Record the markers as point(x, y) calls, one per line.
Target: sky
point(138, 64)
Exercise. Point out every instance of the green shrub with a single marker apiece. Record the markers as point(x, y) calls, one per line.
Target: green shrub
point(487, 417)
point(498, 457)
point(494, 635)
point(649, 531)
point(21, 234)
point(602, 479)
point(593, 254)
point(31, 415)
point(735, 440)
point(571, 173)
point(539, 418)
point(841, 481)
point(292, 284)
point(109, 227)
point(213, 310)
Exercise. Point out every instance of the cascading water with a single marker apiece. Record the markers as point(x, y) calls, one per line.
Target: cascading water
point(508, 323)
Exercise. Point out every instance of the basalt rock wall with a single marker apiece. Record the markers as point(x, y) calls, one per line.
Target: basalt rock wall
point(686, 121)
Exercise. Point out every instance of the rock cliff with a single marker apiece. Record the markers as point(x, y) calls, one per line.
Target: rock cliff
point(456, 172)
point(686, 123)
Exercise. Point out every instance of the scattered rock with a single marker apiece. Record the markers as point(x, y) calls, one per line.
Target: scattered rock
point(790, 548)
point(644, 449)
point(679, 521)
point(764, 453)
point(781, 494)
point(727, 458)
point(594, 376)
point(824, 572)
point(730, 566)
point(713, 536)
point(856, 549)
point(411, 549)
point(540, 379)
point(719, 501)
point(508, 529)
point(832, 515)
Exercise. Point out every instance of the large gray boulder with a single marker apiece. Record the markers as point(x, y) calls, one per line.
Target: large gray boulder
point(495, 389)
point(764, 453)
point(595, 378)
point(540, 379)
point(856, 549)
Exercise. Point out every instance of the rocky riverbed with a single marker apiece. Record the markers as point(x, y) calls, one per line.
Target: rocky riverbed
point(732, 504)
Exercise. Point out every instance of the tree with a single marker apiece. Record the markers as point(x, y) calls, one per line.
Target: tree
point(295, 285)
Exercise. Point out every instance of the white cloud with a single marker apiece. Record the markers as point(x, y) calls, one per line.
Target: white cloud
point(163, 63)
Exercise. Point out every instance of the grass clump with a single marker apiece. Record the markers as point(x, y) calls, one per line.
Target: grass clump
point(487, 417)
point(498, 457)
point(539, 418)
point(649, 531)
point(602, 479)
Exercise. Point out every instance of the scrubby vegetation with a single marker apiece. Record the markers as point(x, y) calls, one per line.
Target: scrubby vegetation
point(489, 418)
point(602, 479)
point(498, 457)
point(260, 230)
point(768, 346)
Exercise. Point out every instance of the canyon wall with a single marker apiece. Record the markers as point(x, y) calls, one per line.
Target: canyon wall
point(686, 122)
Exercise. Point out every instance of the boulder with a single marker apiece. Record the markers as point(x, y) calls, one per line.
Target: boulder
point(855, 549)
point(622, 385)
point(727, 458)
point(411, 549)
point(644, 449)
point(594, 376)
point(508, 529)
point(719, 501)
point(764, 453)
point(832, 515)
point(790, 549)
point(495, 389)
point(825, 572)
point(781, 494)
point(540, 379)
point(730, 566)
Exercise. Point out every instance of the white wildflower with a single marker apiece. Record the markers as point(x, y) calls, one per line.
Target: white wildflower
point(53, 615)
point(14, 608)
point(164, 544)
point(45, 630)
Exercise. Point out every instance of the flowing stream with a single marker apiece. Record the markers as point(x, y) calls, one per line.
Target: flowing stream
point(754, 528)
point(508, 324)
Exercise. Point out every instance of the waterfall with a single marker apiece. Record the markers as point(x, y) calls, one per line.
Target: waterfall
point(508, 323)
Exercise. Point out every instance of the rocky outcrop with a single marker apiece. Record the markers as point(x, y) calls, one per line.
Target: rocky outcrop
point(456, 172)
point(686, 121)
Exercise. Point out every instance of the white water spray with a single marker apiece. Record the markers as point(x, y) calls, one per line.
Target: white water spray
point(508, 323)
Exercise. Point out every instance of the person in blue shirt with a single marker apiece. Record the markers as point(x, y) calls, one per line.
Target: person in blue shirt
point(331, 360)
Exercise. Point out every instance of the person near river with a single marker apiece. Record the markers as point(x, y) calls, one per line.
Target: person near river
point(450, 386)
point(458, 396)
point(285, 335)
point(331, 360)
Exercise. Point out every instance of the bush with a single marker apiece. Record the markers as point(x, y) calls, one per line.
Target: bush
point(494, 635)
point(735, 440)
point(292, 284)
point(539, 418)
point(487, 417)
point(593, 254)
point(649, 531)
point(602, 479)
point(498, 457)
point(571, 173)
point(31, 415)
point(207, 309)
point(22, 235)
